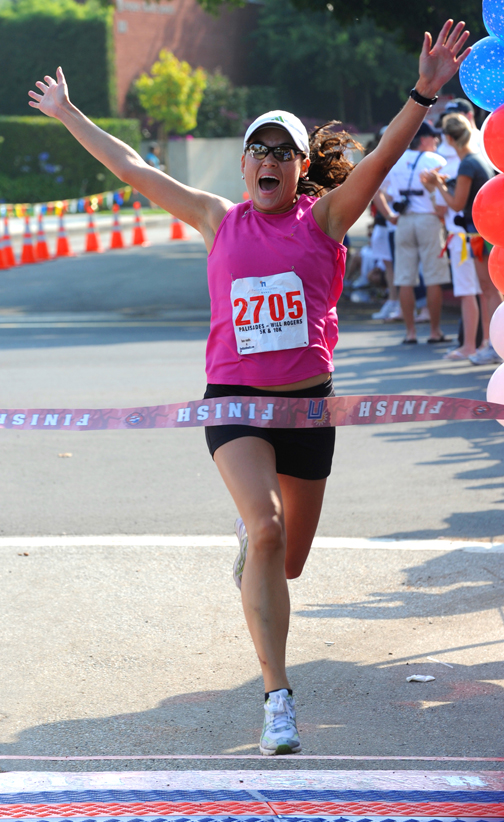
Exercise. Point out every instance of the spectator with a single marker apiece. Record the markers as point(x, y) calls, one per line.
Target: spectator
point(382, 245)
point(152, 156)
point(465, 279)
point(419, 236)
point(473, 173)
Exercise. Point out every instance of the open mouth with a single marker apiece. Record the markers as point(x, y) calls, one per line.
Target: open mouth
point(268, 183)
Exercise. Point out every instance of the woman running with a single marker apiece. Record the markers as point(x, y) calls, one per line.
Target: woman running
point(275, 262)
point(473, 172)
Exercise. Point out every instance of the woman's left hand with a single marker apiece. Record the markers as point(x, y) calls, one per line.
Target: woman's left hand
point(441, 61)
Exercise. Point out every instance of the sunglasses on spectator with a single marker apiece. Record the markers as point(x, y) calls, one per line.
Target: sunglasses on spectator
point(282, 153)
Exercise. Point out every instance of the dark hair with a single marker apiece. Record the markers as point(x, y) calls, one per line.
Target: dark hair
point(329, 164)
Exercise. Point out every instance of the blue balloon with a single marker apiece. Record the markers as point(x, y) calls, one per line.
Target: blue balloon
point(482, 74)
point(493, 17)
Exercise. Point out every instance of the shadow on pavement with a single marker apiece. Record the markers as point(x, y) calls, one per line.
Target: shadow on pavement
point(473, 587)
point(73, 337)
point(343, 708)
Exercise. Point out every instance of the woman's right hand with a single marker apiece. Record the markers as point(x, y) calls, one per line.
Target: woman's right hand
point(53, 97)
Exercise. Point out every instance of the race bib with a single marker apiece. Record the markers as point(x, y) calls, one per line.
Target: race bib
point(269, 314)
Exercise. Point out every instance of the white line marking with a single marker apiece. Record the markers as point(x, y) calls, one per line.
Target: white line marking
point(219, 541)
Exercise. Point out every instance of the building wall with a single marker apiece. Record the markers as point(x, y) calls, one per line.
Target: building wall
point(142, 29)
point(213, 164)
point(210, 164)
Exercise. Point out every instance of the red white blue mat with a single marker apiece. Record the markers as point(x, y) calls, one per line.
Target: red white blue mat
point(253, 796)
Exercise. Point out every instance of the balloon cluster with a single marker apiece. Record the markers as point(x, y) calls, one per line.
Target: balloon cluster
point(482, 78)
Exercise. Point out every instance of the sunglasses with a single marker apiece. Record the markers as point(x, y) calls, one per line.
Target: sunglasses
point(283, 153)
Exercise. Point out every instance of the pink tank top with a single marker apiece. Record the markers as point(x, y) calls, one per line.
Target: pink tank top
point(274, 282)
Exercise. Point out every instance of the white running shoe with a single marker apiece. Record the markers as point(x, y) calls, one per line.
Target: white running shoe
point(384, 311)
point(395, 313)
point(423, 315)
point(485, 356)
point(239, 563)
point(279, 735)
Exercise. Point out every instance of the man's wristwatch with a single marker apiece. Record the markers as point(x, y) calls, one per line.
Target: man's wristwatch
point(422, 101)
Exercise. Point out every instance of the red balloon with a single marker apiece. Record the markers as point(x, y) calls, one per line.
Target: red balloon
point(496, 267)
point(487, 210)
point(493, 137)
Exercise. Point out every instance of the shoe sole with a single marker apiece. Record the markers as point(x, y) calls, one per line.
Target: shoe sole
point(280, 750)
point(236, 576)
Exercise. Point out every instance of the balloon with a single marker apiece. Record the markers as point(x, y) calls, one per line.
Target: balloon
point(493, 17)
point(495, 388)
point(496, 267)
point(497, 330)
point(490, 138)
point(487, 210)
point(482, 74)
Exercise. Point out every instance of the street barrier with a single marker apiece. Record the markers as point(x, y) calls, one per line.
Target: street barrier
point(8, 252)
point(3, 263)
point(116, 237)
point(139, 235)
point(63, 248)
point(28, 250)
point(178, 230)
point(42, 249)
point(93, 241)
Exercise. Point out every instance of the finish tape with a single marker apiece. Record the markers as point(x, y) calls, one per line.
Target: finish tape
point(259, 412)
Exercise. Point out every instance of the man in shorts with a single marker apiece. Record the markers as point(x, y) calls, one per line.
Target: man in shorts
point(419, 237)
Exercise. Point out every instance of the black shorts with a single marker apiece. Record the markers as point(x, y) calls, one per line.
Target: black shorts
point(305, 453)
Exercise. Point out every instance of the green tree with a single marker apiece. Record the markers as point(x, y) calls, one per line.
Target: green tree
point(323, 69)
point(408, 20)
point(171, 94)
point(223, 108)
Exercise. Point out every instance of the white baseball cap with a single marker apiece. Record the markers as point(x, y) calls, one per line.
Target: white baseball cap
point(286, 120)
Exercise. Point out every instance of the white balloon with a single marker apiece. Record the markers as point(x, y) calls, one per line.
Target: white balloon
point(495, 389)
point(497, 330)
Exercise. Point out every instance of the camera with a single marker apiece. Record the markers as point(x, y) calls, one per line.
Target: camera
point(401, 205)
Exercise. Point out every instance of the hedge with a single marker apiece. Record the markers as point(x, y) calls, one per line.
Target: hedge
point(35, 38)
point(40, 160)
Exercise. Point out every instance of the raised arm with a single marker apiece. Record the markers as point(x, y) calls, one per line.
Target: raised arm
point(197, 208)
point(337, 211)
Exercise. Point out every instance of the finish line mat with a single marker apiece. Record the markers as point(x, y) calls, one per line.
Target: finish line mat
point(260, 412)
point(253, 796)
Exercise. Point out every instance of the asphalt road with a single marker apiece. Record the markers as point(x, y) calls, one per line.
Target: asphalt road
point(138, 646)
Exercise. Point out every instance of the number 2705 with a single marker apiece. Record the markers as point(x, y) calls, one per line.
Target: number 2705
point(276, 307)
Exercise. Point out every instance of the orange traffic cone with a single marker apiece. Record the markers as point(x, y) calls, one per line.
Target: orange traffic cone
point(62, 245)
point(3, 264)
point(139, 235)
point(42, 249)
point(28, 251)
point(178, 231)
point(93, 242)
point(116, 238)
point(8, 253)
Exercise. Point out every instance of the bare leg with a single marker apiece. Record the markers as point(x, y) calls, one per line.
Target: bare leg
point(490, 299)
point(407, 298)
point(434, 304)
point(265, 501)
point(302, 500)
point(247, 466)
point(470, 317)
point(389, 276)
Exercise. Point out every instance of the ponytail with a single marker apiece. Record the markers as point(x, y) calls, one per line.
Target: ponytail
point(329, 165)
